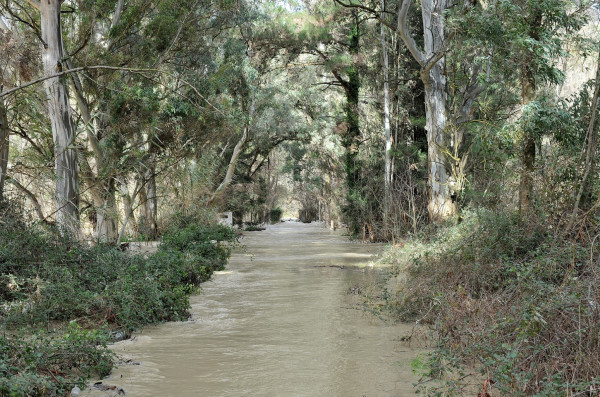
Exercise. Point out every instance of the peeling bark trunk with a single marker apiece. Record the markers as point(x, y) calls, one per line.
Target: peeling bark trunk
point(59, 110)
point(4, 142)
point(431, 59)
point(124, 191)
point(103, 192)
point(440, 204)
point(106, 230)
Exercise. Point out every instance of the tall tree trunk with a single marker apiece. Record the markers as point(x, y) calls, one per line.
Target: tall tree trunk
point(59, 110)
point(237, 151)
point(4, 142)
point(528, 90)
point(106, 213)
point(151, 207)
point(103, 190)
point(124, 192)
point(386, 110)
point(440, 204)
point(351, 138)
point(431, 60)
point(528, 145)
point(143, 211)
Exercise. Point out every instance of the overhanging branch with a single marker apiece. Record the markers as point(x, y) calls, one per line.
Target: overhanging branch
point(402, 29)
point(376, 14)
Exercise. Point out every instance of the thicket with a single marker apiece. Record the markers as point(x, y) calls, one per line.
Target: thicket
point(509, 300)
point(49, 281)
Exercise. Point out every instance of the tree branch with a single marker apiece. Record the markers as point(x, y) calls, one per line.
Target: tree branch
point(105, 67)
point(338, 77)
point(376, 14)
point(438, 55)
point(74, 70)
point(402, 29)
point(34, 3)
point(36, 204)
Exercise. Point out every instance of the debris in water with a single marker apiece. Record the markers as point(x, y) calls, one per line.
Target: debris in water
point(103, 387)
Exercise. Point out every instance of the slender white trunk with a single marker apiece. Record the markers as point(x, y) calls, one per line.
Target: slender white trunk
point(4, 142)
point(386, 109)
point(431, 60)
point(237, 151)
point(59, 110)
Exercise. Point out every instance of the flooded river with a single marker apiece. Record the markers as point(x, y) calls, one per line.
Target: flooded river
point(283, 320)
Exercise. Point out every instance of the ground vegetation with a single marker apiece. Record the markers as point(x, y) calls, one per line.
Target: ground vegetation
point(463, 133)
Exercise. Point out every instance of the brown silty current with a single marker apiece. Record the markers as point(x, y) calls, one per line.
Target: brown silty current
point(282, 320)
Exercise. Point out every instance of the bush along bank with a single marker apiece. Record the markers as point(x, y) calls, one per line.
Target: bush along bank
point(61, 301)
point(507, 299)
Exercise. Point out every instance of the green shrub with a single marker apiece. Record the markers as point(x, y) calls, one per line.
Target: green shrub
point(507, 297)
point(275, 215)
point(51, 364)
point(46, 279)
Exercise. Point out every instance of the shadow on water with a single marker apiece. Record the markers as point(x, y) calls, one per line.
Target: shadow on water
point(280, 321)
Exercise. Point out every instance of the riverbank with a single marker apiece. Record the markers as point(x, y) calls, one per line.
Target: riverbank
point(63, 302)
point(505, 296)
point(286, 317)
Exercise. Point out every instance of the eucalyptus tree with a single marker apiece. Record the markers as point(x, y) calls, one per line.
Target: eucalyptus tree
point(4, 128)
point(4, 146)
point(50, 34)
point(436, 42)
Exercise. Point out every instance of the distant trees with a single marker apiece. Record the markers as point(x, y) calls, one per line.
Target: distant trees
point(410, 105)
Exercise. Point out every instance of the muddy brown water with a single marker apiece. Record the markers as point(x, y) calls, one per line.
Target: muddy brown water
point(284, 319)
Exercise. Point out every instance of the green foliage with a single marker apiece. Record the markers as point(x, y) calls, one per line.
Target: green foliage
point(275, 215)
point(49, 279)
point(50, 364)
point(505, 297)
point(547, 117)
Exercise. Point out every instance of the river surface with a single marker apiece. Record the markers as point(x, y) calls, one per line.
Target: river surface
point(284, 319)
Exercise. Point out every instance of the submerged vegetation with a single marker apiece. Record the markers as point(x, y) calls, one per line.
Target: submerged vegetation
point(63, 301)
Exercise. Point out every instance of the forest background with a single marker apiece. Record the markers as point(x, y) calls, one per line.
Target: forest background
point(464, 133)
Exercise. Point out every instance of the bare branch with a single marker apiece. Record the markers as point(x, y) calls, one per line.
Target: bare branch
point(335, 73)
point(31, 196)
point(105, 67)
point(117, 14)
point(34, 3)
point(438, 55)
point(69, 71)
point(376, 14)
point(402, 29)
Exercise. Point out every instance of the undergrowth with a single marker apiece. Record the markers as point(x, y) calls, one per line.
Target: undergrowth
point(508, 300)
point(60, 300)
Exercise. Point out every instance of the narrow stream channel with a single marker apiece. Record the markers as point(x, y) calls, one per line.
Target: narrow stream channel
point(282, 320)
